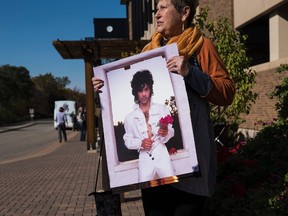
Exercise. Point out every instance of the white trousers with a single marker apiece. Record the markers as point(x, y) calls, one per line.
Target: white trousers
point(156, 164)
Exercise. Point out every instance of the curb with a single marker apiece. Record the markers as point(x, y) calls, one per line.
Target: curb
point(11, 128)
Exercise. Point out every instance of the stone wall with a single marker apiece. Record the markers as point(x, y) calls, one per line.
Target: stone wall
point(218, 8)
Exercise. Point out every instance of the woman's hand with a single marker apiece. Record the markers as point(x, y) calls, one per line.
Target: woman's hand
point(178, 64)
point(97, 84)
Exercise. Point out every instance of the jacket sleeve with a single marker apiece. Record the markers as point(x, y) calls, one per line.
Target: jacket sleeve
point(196, 79)
point(215, 81)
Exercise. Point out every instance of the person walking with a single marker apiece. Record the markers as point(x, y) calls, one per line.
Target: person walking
point(84, 128)
point(61, 120)
point(207, 82)
point(144, 133)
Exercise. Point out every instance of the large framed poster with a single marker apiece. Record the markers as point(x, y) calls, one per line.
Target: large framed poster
point(117, 101)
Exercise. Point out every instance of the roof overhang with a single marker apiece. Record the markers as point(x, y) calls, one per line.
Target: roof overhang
point(105, 49)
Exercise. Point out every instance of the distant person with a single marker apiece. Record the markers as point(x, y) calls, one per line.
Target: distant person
point(84, 129)
point(81, 119)
point(74, 121)
point(61, 120)
point(144, 133)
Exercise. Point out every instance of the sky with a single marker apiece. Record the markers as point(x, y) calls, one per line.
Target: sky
point(29, 27)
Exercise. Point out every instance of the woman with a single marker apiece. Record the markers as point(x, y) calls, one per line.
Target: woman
point(206, 80)
point(81, 120)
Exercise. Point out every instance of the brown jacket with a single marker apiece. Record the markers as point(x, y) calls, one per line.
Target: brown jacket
point(218, 89)
point(223, 90)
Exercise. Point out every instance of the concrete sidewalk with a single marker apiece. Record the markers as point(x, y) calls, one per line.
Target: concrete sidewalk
point(56, 182)
point(17, 126)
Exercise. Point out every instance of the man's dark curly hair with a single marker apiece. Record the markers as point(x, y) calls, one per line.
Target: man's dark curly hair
point(140, 78)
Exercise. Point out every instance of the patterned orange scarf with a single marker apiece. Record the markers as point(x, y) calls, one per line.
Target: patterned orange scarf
point(188, 42)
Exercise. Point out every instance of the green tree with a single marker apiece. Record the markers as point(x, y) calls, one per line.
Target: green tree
point(252, 177)
point(281, 93)
point(16, 89)
point(231, 47)
point(48, 89)
point(76, 95)
point(19, 92)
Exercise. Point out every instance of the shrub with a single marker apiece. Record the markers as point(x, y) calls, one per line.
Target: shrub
point(253, 176)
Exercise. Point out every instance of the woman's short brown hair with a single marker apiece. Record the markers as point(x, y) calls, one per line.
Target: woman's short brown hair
point(180, 4)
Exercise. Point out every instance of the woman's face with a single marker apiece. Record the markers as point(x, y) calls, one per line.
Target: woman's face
point(168, 19)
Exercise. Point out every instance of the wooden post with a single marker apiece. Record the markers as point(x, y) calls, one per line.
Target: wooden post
point(88, 54)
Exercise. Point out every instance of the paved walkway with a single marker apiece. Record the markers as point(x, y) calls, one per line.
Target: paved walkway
point(55, 182)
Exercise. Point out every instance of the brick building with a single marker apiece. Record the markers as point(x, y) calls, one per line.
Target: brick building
point(266, 24)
